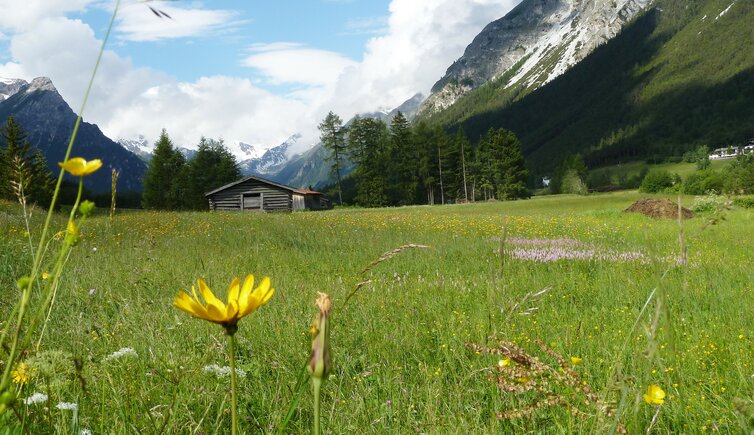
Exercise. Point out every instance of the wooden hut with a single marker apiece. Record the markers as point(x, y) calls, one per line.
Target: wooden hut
point(257, 194)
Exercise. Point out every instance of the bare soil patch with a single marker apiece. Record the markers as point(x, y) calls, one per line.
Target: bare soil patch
point(659, 209)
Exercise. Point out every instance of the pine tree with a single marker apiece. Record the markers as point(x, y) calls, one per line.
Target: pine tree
point(161, 176)
point(464, 148)
point(211, 167)
point(332, 135)
point(368, 148)
point(403, 180)
point(426, 149)
point(21, 163)
point(507, 164)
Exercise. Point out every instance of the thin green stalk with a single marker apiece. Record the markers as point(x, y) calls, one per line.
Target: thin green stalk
point(233, 400)
point(317, 384)
point(38, 255)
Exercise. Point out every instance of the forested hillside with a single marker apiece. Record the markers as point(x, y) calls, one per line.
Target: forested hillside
point(681, 75)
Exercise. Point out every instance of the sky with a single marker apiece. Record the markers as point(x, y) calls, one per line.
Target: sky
point(255, 71)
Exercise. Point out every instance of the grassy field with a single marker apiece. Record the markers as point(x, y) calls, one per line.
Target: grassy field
point(627, 170)
point(404, 349)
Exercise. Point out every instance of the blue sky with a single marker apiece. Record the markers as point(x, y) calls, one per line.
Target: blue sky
point(253, 71)
point(341, 26)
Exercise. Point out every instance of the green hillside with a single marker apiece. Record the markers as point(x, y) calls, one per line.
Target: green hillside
point(679, 76)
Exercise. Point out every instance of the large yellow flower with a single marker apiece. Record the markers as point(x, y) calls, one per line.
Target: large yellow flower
point(654, 395)
point(80, 167)
point(21, 374)
point(242, 301)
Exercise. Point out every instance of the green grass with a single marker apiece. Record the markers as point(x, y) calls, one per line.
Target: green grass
point(400, 360)
point(627, 170)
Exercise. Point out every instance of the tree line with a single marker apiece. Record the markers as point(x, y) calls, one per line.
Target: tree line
point(23, 168)
point(173, 182)
point(401, 164)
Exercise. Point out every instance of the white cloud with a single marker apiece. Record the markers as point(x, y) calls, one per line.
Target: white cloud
point(421, 39)
point(137, 23)
point(19, 16)
point(286, 63)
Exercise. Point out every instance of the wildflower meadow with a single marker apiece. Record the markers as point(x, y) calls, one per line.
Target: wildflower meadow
point(559, 314)
point(556, 314)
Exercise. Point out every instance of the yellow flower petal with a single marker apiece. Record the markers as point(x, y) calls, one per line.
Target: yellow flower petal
point(208, 296)
point(242, 300)
point(233, 291)
point(654, 395)
point(80, 167)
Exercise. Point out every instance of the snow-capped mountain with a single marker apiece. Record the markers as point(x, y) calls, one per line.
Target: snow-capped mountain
point(9, 87)
point(139, 146)
point(271, 160)
point(533, 44)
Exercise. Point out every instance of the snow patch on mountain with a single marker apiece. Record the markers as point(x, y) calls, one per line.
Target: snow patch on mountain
point(138, 145)
point(272, 159)
point(9, 87)
point(535, 43)
point(725, 11)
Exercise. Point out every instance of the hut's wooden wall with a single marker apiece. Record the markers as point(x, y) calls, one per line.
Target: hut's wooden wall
point(275, 198)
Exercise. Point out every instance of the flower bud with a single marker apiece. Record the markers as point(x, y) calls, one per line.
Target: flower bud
point(319, 360)
point(23, 282)
point(86, 208)
point(72, 234)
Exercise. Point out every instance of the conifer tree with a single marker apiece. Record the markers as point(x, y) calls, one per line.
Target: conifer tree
point(211, 167)
point(161, 176)
point(507, 163)
point(20, 162)
point(368, 148)
point(333, 137)
point(404, 180)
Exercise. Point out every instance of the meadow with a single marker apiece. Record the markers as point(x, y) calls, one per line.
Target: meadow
point(612, 290)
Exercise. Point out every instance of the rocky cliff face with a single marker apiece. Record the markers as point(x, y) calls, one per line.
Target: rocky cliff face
point(534, 43)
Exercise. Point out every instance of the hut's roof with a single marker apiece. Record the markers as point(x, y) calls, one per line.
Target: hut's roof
point(262, 180)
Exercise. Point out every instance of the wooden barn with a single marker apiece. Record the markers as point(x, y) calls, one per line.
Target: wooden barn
point(257, 194)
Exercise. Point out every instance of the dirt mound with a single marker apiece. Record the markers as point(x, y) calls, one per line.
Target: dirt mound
point(659, 209)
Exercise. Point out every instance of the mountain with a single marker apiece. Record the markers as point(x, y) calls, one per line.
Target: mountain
point(271, 160)
point(139, 146)
point(312, 168)
point(530, 46)
point(9, 87)
point(48, 122)
point(680, 75)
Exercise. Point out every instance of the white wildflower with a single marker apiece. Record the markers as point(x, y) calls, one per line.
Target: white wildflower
point(222, 372)
point(125, 351)
point(85, 431)
point(35, 398)
point(67, 406)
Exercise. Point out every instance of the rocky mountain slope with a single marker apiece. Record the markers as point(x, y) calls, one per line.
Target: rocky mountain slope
point(678, 76)
point(48, 122)
point(312, 168)
point(533, 44)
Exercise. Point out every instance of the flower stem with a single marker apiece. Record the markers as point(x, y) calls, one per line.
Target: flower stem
point(317, 384)
point(233, 400)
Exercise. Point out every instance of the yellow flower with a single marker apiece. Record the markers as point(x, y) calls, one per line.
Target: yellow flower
point(576, 360)
point(80, 167)
point(21, 374)
point(654, 395)
point(242, 301)
point(504, 362)
point(45, 275)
